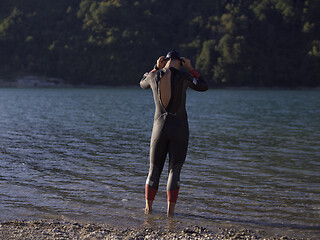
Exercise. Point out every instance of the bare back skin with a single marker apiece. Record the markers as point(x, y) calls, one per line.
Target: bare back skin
point(165, 88)
point(165, 82)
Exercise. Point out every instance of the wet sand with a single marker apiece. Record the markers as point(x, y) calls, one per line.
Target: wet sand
point(63, 229)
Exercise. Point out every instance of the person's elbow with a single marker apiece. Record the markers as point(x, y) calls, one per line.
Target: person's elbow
point(144, 84)
point(203, 85)
point(203, 89)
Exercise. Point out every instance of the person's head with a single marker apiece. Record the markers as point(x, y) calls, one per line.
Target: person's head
point(173, 59)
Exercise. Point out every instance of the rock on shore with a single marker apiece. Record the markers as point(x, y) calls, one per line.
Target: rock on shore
point(45, 229)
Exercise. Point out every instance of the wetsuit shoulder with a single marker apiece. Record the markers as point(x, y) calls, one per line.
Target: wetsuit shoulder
point(186, 75)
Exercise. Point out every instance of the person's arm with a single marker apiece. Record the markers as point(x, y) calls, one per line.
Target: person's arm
point(144, 83)
point(196, 82)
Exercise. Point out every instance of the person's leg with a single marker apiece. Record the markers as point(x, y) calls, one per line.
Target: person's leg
point(177, 155)
point(151, 187)
point(158, 153)
point(173, 187)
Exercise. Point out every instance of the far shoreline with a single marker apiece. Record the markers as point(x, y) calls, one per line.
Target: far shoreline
point(81, 86)
point(38, 82)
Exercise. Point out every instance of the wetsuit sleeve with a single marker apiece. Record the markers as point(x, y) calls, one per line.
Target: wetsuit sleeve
point(196, 82)
point(145, 82)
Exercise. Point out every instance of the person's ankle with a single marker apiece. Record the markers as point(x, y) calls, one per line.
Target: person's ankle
point(171, 207)
point(170, 214)
point(148, 210)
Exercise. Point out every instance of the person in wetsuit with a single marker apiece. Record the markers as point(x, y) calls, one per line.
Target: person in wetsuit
point(170, 132)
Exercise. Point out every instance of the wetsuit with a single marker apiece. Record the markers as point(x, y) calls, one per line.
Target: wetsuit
point(170, 132)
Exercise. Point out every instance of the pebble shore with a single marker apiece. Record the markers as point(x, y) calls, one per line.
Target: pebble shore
point(56, 229)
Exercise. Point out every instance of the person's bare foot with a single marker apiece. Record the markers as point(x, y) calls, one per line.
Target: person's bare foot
point(148, 209)
point(171, 206)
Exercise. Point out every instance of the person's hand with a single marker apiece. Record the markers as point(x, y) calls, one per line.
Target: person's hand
point(160, 62)
point(187, 64)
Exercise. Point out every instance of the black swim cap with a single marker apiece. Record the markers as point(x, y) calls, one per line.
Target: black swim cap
point(174, 55)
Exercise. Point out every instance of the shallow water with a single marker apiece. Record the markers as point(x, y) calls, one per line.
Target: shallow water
point(253, 159)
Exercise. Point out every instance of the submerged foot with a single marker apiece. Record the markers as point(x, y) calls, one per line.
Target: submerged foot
point(170, 214)
point(170, 210)
point(147, 211)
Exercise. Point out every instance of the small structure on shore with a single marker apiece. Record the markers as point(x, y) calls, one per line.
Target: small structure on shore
point(33, 81)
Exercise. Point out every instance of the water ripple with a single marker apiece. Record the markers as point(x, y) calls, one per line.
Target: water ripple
point(253, 155)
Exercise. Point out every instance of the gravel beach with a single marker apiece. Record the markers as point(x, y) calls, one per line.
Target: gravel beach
point(61, 229)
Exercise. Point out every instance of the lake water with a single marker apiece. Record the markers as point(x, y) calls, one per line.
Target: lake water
point(253, 159)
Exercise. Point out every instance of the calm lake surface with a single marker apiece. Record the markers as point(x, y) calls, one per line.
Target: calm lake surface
point(253, 159)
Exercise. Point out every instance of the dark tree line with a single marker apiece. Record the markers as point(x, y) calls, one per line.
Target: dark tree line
point(113, 42)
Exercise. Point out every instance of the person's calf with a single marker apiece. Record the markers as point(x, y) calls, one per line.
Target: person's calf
point(172, 195)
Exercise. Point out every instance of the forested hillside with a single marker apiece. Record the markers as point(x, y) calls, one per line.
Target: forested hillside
point(113, 42)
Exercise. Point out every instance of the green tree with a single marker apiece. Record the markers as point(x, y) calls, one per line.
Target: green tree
point(231, 42)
